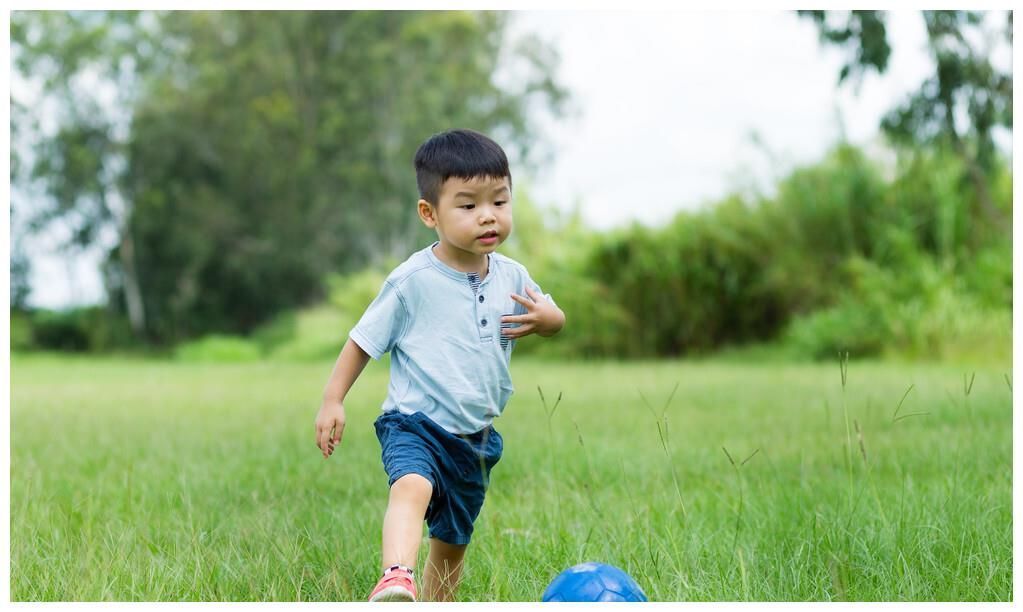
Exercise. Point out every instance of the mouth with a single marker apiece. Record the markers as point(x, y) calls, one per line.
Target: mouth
point(491, 235)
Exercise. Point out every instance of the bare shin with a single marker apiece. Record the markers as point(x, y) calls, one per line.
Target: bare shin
point(403, 521)
point(443, 571)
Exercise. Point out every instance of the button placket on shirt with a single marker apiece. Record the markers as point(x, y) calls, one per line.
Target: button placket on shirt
point(482, 316)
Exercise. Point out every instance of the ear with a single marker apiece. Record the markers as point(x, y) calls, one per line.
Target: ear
point(427, 213)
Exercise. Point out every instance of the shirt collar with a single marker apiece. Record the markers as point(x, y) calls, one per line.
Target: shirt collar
point(453, 273)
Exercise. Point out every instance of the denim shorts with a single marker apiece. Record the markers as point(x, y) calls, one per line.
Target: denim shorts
point(457, 465)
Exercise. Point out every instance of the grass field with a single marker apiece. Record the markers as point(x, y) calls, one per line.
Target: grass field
point(169, 481)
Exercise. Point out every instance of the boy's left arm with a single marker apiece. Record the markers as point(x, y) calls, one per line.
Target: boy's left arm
point(542, 317)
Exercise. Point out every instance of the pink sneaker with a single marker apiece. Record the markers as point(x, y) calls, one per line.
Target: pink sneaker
point(397, 584)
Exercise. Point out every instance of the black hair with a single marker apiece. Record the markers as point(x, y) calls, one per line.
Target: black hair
point(464, 154)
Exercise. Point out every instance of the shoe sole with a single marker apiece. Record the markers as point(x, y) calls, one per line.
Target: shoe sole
point(393, 594)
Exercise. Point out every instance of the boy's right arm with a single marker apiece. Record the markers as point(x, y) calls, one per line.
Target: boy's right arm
point(330, 421)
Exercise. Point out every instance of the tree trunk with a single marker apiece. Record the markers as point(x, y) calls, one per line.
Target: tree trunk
point(132, 294)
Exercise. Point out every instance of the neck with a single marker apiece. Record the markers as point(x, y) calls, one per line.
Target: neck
point(462, 261)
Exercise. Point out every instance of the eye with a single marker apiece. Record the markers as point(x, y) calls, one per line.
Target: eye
point(468, 206)
point(502, 203)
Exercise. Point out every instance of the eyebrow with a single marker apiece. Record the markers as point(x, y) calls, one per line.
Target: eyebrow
point(471, 194)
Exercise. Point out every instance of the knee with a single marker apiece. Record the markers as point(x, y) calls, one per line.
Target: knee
point(412, 485)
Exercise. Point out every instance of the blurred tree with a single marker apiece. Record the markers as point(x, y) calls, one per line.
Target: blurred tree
point(78, 166)
point(863, 31)
point(20, 265)
point(20, 270)
point(960, 105)
point(263, 150)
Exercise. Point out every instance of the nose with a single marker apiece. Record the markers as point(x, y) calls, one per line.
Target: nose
point(487, 215)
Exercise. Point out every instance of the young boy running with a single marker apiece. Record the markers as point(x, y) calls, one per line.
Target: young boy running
point(450, 316)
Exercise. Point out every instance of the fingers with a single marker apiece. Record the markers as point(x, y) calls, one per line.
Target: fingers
point(527, 325)
point(527, 321)
point(528, 303)
point(333, 437)
point(518, 332)
point(322, 436)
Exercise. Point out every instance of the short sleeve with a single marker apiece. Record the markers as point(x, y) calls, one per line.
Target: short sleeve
point(383, 323)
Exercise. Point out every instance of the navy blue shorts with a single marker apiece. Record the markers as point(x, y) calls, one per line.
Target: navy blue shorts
point(458, 467)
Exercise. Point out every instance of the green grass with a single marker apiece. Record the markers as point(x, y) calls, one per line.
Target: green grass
point(156, 480)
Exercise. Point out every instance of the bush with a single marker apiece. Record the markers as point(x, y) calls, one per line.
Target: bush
point(319, 333)
point(218, 349)
point(918, 311)
point(93, 328)
point(826, 333)
point(841, 258)
point(59, 331)
point(353, 293)
point(696, 284)
point(278, 331)
point(988, 275)
point(21, 331)
point(848, 256)
point(596, 324)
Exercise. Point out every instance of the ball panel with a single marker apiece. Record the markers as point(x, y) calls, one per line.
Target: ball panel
point(589, 582)
point(609, 595)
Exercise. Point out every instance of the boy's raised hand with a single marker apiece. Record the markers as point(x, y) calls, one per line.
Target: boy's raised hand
point(330, 425)
point(542, 317)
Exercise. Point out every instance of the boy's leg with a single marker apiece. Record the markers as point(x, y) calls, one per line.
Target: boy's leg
point(443, 570)
point(403, 521)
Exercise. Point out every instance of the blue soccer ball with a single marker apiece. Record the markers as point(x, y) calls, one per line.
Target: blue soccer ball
point(593, 582)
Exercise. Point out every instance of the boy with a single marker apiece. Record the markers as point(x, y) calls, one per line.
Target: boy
point(450, 316)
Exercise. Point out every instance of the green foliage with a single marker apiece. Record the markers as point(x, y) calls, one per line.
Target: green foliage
point(21, 268)
point(959, 106)
point(553, 245)
point(964, 85)
point(255, 153)
point(353, 293)
point(260, 161)
point(827, 333)
point(965, 82)
point(848, 256)
point(861, 262)
point(918, 311)
point(988, 276)
point(832, 209)
point(275, 332)
point(21, 331)
point(318, 332)
point(218, 349)
point(865, 30)
point(841, 259)
point(318, 335)
point(696, 284)
point(93, 329)
point(597, 324)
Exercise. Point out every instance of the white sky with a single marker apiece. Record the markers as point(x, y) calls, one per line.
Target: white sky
point(666, 103)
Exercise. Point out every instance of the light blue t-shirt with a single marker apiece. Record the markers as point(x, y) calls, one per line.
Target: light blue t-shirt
point(443, 329)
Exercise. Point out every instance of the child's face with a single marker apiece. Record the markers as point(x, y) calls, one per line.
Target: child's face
point(471, 216)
